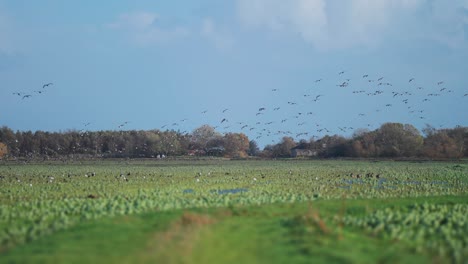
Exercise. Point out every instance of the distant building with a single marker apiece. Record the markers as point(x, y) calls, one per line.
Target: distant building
point(215, 151)
point(303, 150)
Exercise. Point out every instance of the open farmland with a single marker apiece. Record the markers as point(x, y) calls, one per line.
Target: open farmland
point(201, 211)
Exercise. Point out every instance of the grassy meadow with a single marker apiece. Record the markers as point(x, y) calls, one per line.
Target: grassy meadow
point(231, 211)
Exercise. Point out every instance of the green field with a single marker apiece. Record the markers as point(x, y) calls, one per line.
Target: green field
point(223, 211)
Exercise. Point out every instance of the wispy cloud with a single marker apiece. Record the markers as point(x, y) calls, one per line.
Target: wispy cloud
point(332, 24)
point(449, 21)
point(5, 35)
point(145, 28)
point(222, 40)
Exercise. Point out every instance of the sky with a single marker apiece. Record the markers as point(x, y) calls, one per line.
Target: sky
point(180, 64)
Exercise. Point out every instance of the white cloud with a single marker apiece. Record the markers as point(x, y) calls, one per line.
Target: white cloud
point(144, 28)
point(5, 35)
point(450, 22)
point(135, 21)
point(330, 24)
point(220, 38)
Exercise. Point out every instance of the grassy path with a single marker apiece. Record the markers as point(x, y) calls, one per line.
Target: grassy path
point(276, 233)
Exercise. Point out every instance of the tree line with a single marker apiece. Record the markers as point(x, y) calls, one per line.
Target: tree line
point(390, 140)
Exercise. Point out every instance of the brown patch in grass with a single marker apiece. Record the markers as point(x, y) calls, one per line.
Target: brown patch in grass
point(177, 242)
point(313, 217)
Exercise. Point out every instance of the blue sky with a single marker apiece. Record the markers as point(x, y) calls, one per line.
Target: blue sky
point(157, 63)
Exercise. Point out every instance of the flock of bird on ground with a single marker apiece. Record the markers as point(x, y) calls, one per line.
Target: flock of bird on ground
point(410, 98)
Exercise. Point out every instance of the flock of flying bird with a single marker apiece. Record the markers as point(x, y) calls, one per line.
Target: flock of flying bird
point(24, 95)
point(409, 97)
point(307, 122)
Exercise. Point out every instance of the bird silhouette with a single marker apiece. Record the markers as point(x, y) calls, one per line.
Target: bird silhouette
point(46, 85)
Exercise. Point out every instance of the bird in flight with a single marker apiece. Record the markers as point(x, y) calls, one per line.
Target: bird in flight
point(439, 83)
point(224, 120)
point(47, 84)
point(410, 80)
point(204, 112)
point(225, 110)
point(344, 84)
point(365, 76)
point(19, 94)
point(341, 72)
point(317, 97)
point(124, 123)
point(26, 96)
point(318, 80)
point(261, 109)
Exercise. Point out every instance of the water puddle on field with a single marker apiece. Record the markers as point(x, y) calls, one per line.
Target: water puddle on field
point(230, 191)
point(386, 184)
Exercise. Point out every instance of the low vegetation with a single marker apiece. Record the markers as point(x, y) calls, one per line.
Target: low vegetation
point(299, 208)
